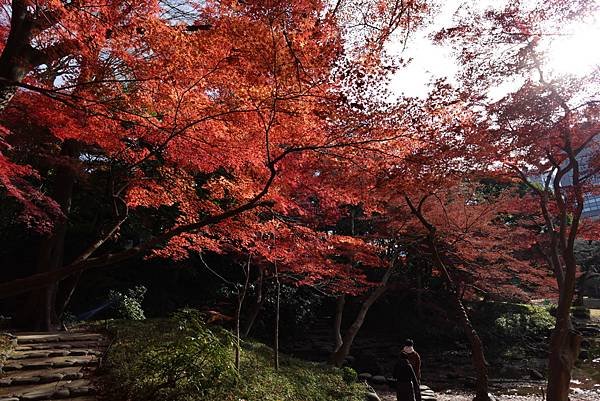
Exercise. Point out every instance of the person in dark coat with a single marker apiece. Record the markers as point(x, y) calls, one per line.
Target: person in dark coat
point(407, 385)
point(413, 357)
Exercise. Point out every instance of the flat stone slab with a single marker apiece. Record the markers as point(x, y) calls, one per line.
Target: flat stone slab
point(82, 398)
point(58, 345)
point(20, 355)
point(48, 390)
point(50, 362)
point(56, 337)
point(20, 377)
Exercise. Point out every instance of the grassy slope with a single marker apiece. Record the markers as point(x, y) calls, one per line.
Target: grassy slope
point(182, 359)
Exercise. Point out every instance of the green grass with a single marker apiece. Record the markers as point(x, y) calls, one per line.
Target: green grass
point(181, 359)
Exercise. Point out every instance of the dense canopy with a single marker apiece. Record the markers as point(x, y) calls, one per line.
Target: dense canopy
point(171, 129)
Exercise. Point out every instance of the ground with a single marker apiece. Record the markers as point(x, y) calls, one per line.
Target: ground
point(461, 396)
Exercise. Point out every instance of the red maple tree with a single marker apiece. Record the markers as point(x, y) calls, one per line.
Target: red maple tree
point(545, 127)
point(216, 108)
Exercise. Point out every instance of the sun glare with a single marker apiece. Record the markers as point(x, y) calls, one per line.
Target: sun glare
point(576, 51)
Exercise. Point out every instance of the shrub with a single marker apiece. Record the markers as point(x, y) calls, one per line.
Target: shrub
point(530, 320)
point(180, 359)
point(129, 305)
point(349, 375)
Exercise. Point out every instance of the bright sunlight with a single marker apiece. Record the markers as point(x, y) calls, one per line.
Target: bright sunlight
point(575, 51)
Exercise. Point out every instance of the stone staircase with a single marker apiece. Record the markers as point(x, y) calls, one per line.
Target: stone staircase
point(46, 366)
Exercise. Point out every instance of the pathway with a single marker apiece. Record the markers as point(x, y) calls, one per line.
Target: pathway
point(45, 366)
point(385, 393)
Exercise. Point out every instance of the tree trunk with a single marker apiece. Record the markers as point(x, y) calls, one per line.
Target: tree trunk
point(278, 288)
point(65, 293)
point(339, 355)
point(477, 355)
point(564, 350)
point(255, 310)
point(482, 391)
point(340, 301)
point(565, 343)
point(40, 310)
point(14, 61)
point(238, 312)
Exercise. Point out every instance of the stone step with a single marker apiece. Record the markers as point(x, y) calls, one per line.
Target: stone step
point(84, 398)
point(64, 389)
point(47, 366)
point(20, 355)
point(23, 377)
point(28, 338)
point(61, 345)
point(50, 362)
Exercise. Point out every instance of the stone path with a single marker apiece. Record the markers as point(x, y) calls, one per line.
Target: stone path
point(427, 394)
point(386, 385)
point(45, 366)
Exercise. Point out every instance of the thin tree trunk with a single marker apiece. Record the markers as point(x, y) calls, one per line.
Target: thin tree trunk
point(340, 301)
point(477, 354)
point(278, 288)
point(66, 290)
point(257, 303)
point(482, 392)
point(338, 356)
point(238, 313)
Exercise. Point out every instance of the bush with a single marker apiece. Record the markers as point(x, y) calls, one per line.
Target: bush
point(529, 320)
point(129, 305)
point(349, 375)
point(179, 359)
point(510, 321)
point(182, 359)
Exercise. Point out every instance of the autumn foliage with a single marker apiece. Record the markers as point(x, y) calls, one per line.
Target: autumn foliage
point(253, 127)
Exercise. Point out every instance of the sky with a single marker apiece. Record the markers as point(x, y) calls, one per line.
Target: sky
point(576, 50)
point(429, 61)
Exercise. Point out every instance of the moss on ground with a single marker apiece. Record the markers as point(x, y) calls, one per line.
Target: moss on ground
point(182, 359)
point(6, 346)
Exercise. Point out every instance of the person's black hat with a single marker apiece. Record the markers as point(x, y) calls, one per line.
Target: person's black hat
point(408, 342)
